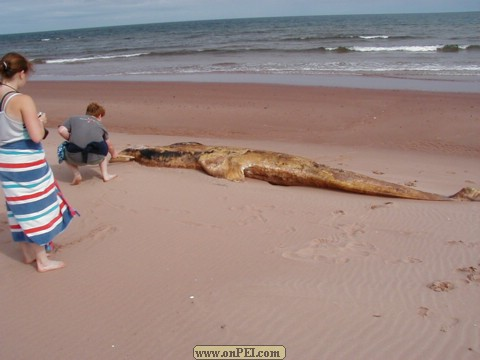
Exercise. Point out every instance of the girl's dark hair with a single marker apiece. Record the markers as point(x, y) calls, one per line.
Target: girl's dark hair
point(13, 63)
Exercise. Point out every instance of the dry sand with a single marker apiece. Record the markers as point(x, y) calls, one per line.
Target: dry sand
point(162, 260)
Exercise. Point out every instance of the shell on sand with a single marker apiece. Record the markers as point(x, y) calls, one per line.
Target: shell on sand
point(236, 164)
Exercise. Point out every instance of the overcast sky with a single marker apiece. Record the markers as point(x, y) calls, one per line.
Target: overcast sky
point(35, 15)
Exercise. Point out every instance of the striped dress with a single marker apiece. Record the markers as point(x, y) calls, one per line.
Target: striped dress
point(36, 209)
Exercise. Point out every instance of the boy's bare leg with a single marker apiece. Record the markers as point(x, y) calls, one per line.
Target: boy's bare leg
point(104, 170)
point(77, 177)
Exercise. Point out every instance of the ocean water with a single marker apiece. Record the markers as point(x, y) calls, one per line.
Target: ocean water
point(442, 47)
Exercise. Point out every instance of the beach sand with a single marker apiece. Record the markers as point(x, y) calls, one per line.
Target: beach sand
point(162, 260)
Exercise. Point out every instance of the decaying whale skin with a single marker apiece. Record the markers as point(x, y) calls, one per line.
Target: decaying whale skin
point(277, 168)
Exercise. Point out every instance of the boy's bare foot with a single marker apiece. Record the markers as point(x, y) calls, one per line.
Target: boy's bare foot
point(77, 179)
point(109, 177)
point(51, 265)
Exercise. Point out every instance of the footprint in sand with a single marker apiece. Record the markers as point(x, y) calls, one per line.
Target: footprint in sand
point(423, 311)
point(448, 324)
point(472, 273)
point(202, 225)
point(250, 214)
point(445, 322)
point(463, 243)
point(331, 251)
point(98, 233)
point(341, 247)
point(441, 286)
point(406, 260)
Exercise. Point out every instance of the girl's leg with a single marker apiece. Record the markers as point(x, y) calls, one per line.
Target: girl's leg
point(28, 253)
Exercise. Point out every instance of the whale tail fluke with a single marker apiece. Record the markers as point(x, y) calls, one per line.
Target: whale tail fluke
point(467, 193)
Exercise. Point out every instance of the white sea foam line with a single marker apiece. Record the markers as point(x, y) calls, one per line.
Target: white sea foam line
point(374, 37)
point(60, 61)
point(396, 48)
point(429, 48)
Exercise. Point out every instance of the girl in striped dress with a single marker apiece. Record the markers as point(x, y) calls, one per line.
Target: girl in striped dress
point(36, 209)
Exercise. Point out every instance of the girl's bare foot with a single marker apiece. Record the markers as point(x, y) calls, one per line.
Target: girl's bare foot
point(44, 264)
point(50, 265)
point(28, 259)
